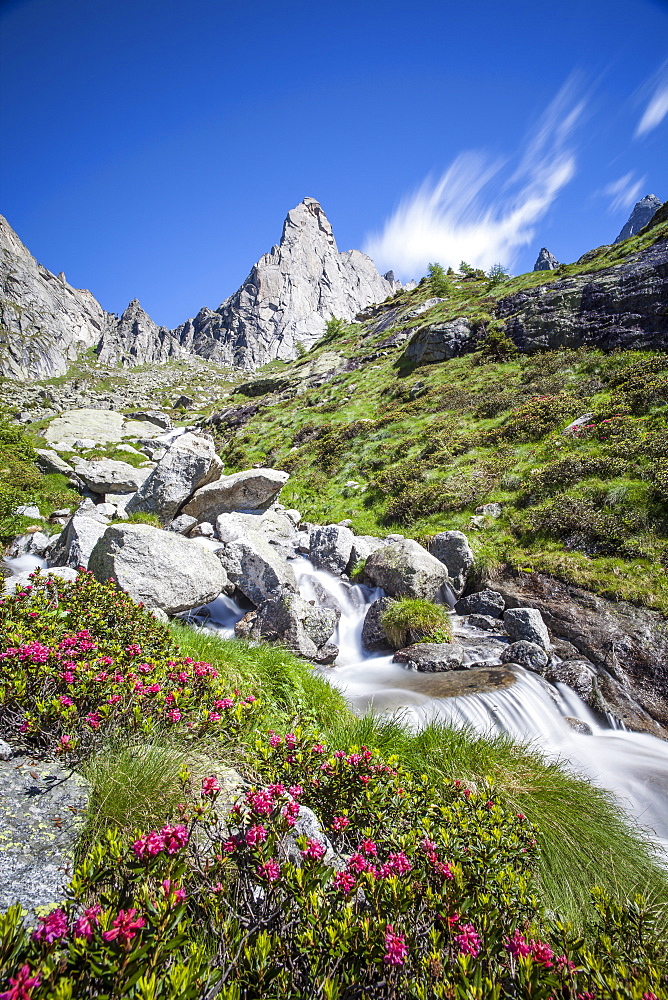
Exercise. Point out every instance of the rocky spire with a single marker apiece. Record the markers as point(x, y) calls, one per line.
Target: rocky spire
point(546, 261)
point(642, 213)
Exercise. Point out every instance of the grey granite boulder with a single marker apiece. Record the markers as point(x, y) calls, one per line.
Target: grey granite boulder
point(42, 810)
point(405, 569)
point(526, 623)
point(106, 475)
point(431, 657)
point(254, 489)
point(78, 538)
point(188, 464)
point(373, 634)
point(483, 602)
point(440, 342)
point(156, 417)
point(453, 550)
point(362, 547)
point(301, 626)
point(105, 426)
point(330, 548)
point(262, 572)
point(182, 524)
point(49, 461)
point(527, 654)
point(159, 568)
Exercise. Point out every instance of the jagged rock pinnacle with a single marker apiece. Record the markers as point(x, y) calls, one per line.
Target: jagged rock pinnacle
point(643, 211)
point(546, 261)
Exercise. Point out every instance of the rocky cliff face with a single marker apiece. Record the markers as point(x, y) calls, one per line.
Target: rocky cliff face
point(623, 306)
point(45, 323)
point(642, 213)
point(286, 300)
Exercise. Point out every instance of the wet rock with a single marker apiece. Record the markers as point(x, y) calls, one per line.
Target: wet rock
point(431, 657)
point(33, 543)
point(487, 623)
point(42, 808)
point(527, 654)
point(253, 489)
point(159, 568)
point(453, 550)
point(373, 633)
point(404, 568)
point(483, 602)
point(629, 643)
point(106, 475)
point(578, 726)
point(578, 674)
point(330, 548)
point(189, 464)
point(301, 626)
point(526, 623)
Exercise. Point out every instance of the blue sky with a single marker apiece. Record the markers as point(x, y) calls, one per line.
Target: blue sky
point(153, 148)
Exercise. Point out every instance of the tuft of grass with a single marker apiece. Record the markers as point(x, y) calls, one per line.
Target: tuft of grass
point(140, 518)
point(408, 620)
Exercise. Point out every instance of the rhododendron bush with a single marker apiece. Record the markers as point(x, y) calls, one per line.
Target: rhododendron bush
point(394, 894)
point(80, 660)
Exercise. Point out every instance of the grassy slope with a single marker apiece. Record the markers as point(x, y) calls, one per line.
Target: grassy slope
point(429, 444)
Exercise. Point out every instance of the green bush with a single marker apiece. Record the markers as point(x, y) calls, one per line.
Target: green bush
point(408, 620)
point(439, 284)
point(428, 897)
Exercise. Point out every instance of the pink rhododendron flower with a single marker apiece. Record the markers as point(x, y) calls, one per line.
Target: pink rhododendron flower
point(318, 748)
point(86, 923)
point(276, 790)
point(174, 715)
point(270, 870)
point(340, 823)
point(261, 802)
point(444, 869)
point(396, 947)
point(344, 881)
point(210, 785)
point(52, 927)
point(290, 741)
point(124, 927)
point(21, 987)
point(93, 720)
point(174, 837)
point(170, 889)
point(290, 812)
point(356, 863)
point(64, 700)
point(468, 940)
point(214, 717)
point(368, 847)
point(256, 835)
point(224, 703)
point(295, 791)
point(542, 953)
point(399, 863)
point(517, 945)
point(313, 849)
point(134, 649)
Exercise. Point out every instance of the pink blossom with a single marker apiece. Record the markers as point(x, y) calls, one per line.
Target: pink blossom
point(93, 720)
point(170, 889)
point(65, 701)
point(344, 881)
point(444, 869)
point(318, 748)
point(314, 849)
point(210, 785)
point(468, 940)
point(290, 741)
point(22, 986)
point(125, 926)
point(174, 715)
point(357, 863)
point(86, 923)
point(52, 927)
point(261, 802)
point(66, 742)
point(144, 668)
point(274, 739)
point(276, 790)
point(134, 649)
point(542, 953)
point(230, 845)
point(270, 870)
point(399, 863)
point(517, 945)
point(256, 835)
point(67, 676)
point(396, 947)
point(340, 823)
point(174, 837)
point(368, 847)
point(224, 703)
point(148, 846)
point(290, 812)
point(214, 717)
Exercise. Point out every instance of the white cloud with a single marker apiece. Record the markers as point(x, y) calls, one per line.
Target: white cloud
point(623, 192)
point(464, 216)
point(656, 110)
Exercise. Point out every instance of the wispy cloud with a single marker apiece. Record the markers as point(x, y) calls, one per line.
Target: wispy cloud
point(463, 216)
point(623, 192)
point(657, 108)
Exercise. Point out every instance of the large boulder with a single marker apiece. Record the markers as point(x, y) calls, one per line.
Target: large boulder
point(404, 569)
point(274, 524)
point(189, 464)
point(79, 537)
point(526, 623)
point(254, 489)
point(528, 654)
point(257, 568)
point(49, 461)
point(103, 426)
point(373, 634)
point(301, 626)
point(330, 547)
point(159, 568)
point(105, 475)
point(156, 417)
point(431, 657)
point(483, 602)
point(453, 550)
point(440, 342)
point(363, 546)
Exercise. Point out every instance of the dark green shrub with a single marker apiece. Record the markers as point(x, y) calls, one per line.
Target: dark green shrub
point(533, 419)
